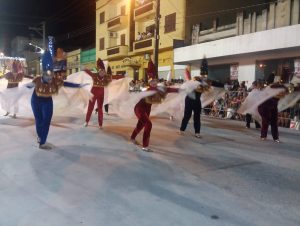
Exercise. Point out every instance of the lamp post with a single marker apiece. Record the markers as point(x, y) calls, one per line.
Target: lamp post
point(36, 46)
point(41, 31)
point(156, 49)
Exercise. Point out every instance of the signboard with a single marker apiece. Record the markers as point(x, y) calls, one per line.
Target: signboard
point(234, 72)
point(51, 45)
point(297, 67)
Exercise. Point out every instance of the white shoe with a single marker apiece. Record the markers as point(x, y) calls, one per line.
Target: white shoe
point(45, 146)
point(146, 149)
point(85, 124)
point(180, 132)
point(7, 113)
point(171, 118)
point(197, 135)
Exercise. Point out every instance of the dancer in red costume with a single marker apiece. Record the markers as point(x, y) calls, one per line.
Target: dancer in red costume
point(143, 108)
point(100, 80)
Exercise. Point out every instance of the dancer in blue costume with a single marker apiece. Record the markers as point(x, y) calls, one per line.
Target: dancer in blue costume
point(41, 101)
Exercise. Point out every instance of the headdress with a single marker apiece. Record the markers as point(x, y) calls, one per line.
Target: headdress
point(109, 72)
point(151, 70)
point(100, 64)
point(187, 74)
point(47, 62)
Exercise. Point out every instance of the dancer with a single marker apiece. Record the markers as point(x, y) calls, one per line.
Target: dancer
point(60, 64)
point(100, 80)
point(249, 116)
point(41, 101)
point(268, 111)
point(143, 108)
point(193, 105)
point(14, 78)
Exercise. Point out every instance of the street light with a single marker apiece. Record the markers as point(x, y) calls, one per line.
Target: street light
point(41, 49)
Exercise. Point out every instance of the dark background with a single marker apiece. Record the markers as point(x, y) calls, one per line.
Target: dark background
point(72, 22)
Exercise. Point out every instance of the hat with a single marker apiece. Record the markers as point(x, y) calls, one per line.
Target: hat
point(100, 64)
point(151, 70)
point(109, 72)
point(47, 62)
point(187, 74)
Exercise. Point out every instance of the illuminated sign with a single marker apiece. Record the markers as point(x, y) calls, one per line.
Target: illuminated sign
point(51, 41)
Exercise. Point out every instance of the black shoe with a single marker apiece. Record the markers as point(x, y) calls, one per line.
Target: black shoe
point(45, 146)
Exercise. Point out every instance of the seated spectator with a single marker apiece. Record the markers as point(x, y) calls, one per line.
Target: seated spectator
point(139, 36)
point(149, 34)
point(144, 36)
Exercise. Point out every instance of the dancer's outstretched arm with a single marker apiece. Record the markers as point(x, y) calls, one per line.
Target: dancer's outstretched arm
point(74, 85)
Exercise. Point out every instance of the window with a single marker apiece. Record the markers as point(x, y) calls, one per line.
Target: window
point(170, 23)
point(101, 44)
point(123, 10)
point(150, 29)
point(102, 17)
point(123, 40)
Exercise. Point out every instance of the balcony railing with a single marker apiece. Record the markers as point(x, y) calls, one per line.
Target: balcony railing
point(143, 45)
point(117, 52)
point(144, 12)
point(117, 23)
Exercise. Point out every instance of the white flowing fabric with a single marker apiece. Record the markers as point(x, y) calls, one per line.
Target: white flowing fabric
point(122, 102)
point(288, 101)
point(175, 102)
point(68, 101)
point(11, 99)
point(257, 97)
point(214, 93)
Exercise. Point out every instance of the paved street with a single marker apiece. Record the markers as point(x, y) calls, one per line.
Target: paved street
point(94, 177)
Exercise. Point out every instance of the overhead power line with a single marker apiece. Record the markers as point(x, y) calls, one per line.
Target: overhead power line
point(61, 11)
point(230, 10)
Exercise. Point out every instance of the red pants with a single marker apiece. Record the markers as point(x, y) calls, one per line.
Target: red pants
point(98, 93)
point(269, 115)
point(142, 111)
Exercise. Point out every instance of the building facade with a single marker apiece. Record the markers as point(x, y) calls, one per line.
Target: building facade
point(259, 43)
point(88, 58)
point(125, 35)
point(73, 61)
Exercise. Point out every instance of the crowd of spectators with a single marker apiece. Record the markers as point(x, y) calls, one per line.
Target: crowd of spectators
point(226, 106)
point(236, 93)
point(144, 35)
point(138, 85)
point(142, 2)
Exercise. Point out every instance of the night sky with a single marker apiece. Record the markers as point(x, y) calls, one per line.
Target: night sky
point(72, 22)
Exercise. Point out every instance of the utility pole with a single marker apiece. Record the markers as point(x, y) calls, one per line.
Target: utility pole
point(41, 31)
point(156, 49)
